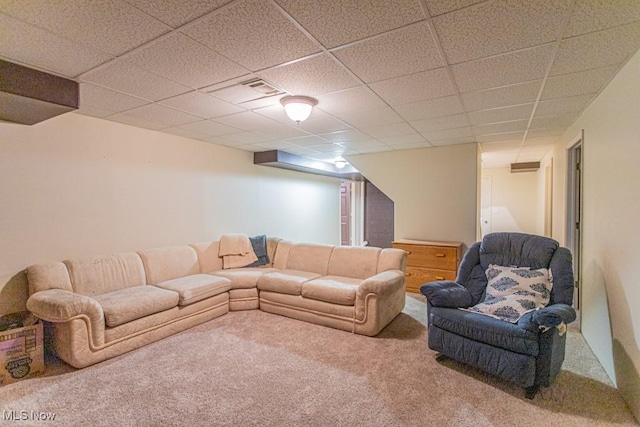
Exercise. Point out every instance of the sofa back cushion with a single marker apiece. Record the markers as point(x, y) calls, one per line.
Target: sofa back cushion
point(98, 275)
point(309, 257)
point(53, 275)
point(208, 258)
point(164, 264)
point(354, 261)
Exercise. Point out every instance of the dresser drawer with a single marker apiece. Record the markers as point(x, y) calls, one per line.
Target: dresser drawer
point(438, 257)
point(418, 276)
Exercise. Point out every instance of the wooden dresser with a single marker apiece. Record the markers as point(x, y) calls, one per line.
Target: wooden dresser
point(428, 261)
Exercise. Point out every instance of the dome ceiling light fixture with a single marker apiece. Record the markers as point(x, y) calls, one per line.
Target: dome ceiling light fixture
point(298, 107)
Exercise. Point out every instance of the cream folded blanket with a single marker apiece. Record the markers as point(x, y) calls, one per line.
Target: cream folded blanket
point(236, 251)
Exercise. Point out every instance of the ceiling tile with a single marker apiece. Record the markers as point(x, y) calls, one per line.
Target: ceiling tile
point(318, 144)
point(274, 145)
point(562, 120)
point(514, 125)
point(371, 119)
point(363, 145)
point(31, 45)
point(314, 76)
point(389, 130)
point(177, 12)
point(373, 149)
point(334, 22)
point(246, 120)
point(448, 134)
point(595, 50)
point(201, 105)
point(248, 137)
point(563, 105)
point(412, 146)
point(123, 77)
point(544, 132)
point(506, 136)
point(413, 138)
point(584, 82)
point(101, 102)
point(325, 125)
point(502, 70)
point(345, 136)
point(210, 128)
point(252, 33)
point(520, 93)
point(439, 123)
point(415, 87)
point(249, 147)
point(594, 15)
point(159, 116)
point(220, 140)
point(350, 100)
point(281, 132)
point(496, 115)
point(495, 27)
point(405, 51)
point(438, 7)
point(183, 60)
point(444, 106)
point(112, 26)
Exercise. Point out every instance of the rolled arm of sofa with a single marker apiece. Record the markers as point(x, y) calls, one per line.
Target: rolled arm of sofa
point(383, 283)
point(58, 305)
point(554, 315)
point(445, 293)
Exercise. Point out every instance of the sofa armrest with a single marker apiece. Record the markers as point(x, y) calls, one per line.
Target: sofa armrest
point(383, 283)
point(58, 305)
point(554, 315)
point(445, 293)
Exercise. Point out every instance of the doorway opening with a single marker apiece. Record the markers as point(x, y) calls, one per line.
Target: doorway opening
point(367, 215)
point(574, 215)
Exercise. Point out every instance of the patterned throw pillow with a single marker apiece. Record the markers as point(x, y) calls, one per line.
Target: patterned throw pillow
point(514, 291)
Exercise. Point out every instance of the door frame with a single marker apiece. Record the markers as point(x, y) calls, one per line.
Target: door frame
point(575, 211)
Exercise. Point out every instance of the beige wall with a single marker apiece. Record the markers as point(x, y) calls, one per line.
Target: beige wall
point(611, 267)
point(75, 186)
point(514, 200)
point(434, 190)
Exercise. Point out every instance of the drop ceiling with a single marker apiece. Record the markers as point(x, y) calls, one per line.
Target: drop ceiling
point(389, 75)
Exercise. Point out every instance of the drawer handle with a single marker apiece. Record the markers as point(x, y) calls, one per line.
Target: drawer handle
point(439, 278)
point(407, 274)
point(408, 252)
point(440, 255)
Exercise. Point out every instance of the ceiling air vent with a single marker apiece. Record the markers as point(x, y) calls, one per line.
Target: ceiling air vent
point(525, 167)
point(261, 86)
point(29, 96)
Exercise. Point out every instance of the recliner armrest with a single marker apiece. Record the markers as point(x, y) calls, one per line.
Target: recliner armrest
point(58, 305)
point(554, 315)
point(445, 293)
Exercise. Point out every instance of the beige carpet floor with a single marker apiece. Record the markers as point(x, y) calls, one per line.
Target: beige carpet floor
point(254, 368)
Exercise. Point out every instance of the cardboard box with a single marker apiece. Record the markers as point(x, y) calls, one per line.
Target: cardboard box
point(21, 353)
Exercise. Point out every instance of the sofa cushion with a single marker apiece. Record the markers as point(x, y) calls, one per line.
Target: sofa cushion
point(133, 303)
point(162, 264)
point(196, 287)
point(97, 275)
point(334, 289)
point(312, 258)
point(285, 281)
point(243, 278)
point(354, 262)
point(495, 332)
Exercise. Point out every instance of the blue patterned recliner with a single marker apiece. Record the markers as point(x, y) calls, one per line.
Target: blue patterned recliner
point(529, 352)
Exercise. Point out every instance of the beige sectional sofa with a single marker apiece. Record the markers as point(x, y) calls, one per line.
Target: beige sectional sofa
point(103, 306)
